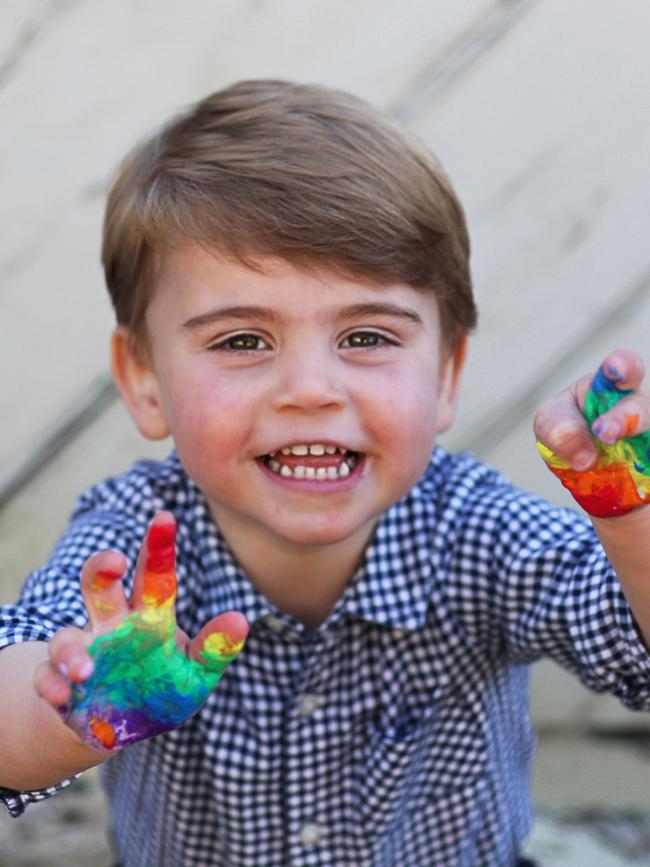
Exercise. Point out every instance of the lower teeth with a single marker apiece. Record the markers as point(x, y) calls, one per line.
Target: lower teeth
point(320, 474)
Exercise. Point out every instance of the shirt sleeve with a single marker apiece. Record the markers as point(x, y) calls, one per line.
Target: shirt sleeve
point(542, 586)
point(51, 595)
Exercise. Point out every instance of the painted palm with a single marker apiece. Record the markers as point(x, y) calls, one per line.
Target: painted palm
point(144, 680)
point(619, 481)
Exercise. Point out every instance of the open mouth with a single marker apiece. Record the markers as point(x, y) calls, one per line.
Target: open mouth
point(318, 462)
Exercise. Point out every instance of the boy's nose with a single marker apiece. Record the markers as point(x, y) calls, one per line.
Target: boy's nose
point(308, 385)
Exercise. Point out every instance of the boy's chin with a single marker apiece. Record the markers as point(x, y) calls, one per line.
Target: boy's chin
point(313, 534)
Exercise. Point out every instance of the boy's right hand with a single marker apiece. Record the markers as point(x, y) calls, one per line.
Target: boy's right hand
point(132, 673)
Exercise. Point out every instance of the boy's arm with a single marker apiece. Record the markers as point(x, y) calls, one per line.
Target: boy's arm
point(36, 748)
point(131, 674)
point(626, 541)
point(595, 438)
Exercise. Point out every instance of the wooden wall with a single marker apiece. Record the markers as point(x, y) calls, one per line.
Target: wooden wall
point(538, 109)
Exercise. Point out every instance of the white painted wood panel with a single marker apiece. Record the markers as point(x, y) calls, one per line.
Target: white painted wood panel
point(34, 519)
point(557, 696)
point(545, 132)
point(83, 81)
point(547, 141)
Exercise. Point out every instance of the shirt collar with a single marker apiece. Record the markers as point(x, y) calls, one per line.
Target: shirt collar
point(391, 587)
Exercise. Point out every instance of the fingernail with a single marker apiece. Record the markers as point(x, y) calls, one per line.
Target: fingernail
point(81, 667)
point(608, 431)
point(582, 461)
point(63, 668)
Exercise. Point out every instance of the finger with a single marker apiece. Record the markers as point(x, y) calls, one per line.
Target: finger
point(220, 640)
point(103, 591)
point(628, 417)
point(68, 651)
point(623, 370)
point(51, 685)
point(154, 583)
point(559, 424)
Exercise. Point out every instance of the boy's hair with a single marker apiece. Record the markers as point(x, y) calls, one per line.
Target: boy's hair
point(311, 175)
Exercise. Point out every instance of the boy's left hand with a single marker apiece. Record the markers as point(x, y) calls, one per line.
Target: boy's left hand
point(595, 437)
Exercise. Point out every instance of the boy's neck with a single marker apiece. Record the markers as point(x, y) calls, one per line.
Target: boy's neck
point(305, 581)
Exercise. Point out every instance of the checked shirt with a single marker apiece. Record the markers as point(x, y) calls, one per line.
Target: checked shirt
point(397, 733)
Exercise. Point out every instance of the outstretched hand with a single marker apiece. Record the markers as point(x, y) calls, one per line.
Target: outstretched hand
point(133, 673)
point(595, 437)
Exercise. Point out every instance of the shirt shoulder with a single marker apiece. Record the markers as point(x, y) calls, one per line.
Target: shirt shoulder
point(470, 495)
point(146, 487)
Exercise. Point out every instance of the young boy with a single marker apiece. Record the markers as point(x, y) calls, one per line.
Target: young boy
point(290, 278)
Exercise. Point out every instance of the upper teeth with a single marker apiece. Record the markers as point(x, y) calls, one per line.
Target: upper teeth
point(314, 449)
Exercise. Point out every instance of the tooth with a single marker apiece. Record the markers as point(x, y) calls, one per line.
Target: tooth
point(299, 472)
point(275, 466)
point(331, 450)
point(321, 473)
point(317, 449)
point(332, 473)
point(272, 454)
point(344, 470)
point(299, 450)
point(286, 472)
point(310, 473)
point(351, 461)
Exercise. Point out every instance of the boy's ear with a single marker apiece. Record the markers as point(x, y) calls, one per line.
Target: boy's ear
point(137, 383)
point(449, 377)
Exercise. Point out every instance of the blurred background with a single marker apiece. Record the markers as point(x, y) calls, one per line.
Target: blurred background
point(540, 112)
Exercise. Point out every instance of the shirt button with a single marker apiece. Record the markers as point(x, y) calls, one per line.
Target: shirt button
point(274, 623)
point(308, 703)
point(310, 833)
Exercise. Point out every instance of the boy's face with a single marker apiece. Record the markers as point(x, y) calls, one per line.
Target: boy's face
point(244, 364)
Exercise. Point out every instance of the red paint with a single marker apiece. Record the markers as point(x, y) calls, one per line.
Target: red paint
point(103, 579)
point(159, 584)
point(161, 553)
point(604, 492)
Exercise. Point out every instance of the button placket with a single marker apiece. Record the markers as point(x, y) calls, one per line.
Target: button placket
point(304, 783)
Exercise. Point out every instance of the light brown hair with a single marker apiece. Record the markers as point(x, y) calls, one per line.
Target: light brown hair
point(311, 175)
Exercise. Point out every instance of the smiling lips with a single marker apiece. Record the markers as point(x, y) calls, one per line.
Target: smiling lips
point(313, 462)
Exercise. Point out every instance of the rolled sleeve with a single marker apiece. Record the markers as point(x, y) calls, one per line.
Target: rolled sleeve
point(560, 597)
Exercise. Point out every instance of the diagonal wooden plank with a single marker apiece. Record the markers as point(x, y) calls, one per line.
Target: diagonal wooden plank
point(55, 246)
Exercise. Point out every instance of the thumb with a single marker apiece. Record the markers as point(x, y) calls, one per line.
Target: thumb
point(219, 641)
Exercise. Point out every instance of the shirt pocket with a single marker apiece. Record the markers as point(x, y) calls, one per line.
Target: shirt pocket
point(414, 756)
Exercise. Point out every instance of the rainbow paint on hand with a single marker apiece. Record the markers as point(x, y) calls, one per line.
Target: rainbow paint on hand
point(619, 481)
point(143, 683)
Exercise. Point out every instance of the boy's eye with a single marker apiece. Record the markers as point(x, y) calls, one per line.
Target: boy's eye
point(241, 343)
point(364, 340)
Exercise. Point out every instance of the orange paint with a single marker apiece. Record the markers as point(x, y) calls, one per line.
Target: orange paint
point(609, 490)
point(104, 732)
point(159, 589)
point(630, 425)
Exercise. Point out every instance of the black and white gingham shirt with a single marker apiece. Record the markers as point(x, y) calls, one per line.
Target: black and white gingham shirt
point(395, 734)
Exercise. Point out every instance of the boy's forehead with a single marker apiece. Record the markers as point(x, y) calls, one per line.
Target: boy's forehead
point(193, 272)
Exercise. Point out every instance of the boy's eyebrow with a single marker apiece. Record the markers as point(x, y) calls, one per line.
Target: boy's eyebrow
point(266, 314)
point(242, 311)
point(378, 308)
